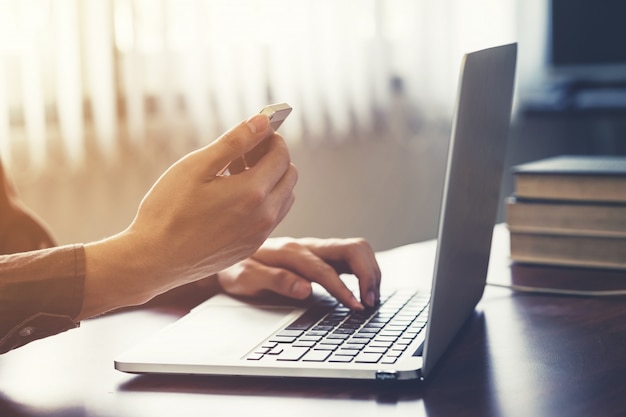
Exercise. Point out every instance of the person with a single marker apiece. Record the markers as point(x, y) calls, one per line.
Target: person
point(192, 224)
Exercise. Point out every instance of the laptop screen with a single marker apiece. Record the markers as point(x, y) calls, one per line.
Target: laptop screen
point(471, 192)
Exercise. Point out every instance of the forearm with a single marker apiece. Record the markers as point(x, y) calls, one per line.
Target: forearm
point(129, 269)
point(118, 275)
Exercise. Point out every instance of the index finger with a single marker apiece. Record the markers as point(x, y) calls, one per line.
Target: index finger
point(234, 143)
point(354, 256)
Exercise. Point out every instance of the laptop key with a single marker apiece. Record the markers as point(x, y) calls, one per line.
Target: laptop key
point(254, 356)
point(340, 358)
point(370, 349)
point(380, 344)
point(311, 338)
point(326, 347)
point(283, 339)
point(324, 328)
point(290, 333)
point(364, 357)
point(338, 336)
point(316, 333)
point(380, 338)
point(390, 333)
point(344, 331)
point(347, 352)
point(331, 342)
point(316, 356)
point(304, 343)
point(291, 353)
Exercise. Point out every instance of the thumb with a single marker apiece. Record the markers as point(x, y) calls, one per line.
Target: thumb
point(235, 142)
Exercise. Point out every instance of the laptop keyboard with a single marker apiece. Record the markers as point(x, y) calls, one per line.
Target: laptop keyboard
point(330, 332)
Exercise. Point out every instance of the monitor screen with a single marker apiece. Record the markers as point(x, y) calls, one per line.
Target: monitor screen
point(588, 34)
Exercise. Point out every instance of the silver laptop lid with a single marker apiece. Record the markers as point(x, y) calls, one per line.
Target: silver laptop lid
point(471, 193)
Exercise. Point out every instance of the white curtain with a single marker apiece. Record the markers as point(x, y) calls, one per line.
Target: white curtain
point(81, 76)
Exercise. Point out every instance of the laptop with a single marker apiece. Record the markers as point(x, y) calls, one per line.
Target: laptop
point(407, 334)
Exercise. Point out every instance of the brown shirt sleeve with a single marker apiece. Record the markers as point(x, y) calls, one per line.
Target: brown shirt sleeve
point(41, 293)
point(41, 287)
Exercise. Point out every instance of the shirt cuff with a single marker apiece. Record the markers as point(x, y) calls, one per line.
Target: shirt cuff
point(41, 294)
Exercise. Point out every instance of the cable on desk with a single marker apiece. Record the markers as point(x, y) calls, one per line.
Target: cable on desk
point(560, 291)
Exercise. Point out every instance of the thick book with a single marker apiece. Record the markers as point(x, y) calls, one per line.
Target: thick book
point(564, 250)
point(576, 178)
point(566, 217)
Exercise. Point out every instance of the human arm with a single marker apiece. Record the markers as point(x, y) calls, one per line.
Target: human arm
point(193, 223)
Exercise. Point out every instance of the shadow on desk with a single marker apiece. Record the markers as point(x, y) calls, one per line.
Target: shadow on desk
point(278, 387)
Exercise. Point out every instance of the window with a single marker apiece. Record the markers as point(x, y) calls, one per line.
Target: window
point(82, 76)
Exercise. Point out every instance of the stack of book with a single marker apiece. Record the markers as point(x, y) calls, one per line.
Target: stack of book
point(569, 210)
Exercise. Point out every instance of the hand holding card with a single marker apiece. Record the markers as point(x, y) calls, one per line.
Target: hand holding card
point(277, 113)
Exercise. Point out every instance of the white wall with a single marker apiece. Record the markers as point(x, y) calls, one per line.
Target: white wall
point(384, 191)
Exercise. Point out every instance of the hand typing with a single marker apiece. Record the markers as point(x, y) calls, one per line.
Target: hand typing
point(288, 266)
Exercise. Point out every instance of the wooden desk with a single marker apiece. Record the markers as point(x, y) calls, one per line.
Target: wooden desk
point(525, 355)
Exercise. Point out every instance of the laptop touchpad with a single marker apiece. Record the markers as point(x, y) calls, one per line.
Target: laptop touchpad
point(222, 329)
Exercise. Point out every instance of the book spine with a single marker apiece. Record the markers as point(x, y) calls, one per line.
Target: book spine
point(581, 251)
point(598, 188)
point(562, 217)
